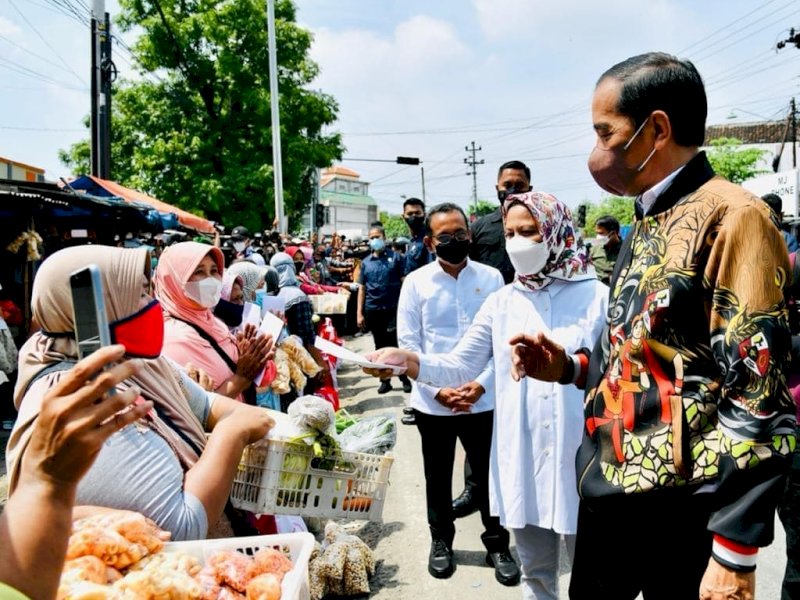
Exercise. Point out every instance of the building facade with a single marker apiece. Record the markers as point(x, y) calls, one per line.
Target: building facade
point(17, 171)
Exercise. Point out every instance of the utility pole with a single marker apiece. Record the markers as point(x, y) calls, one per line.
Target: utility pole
point(473, 163)
point(277, 167)
point(103, 73)
point(794, 38)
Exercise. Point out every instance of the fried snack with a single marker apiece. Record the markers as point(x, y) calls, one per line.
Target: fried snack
point(231, 568)
point(85, 568)
point(207, 578)
point(282, 382)
point(162, 584)
point(293, 346)
point(134, 527)
point(107, 545)
point(298, 379)
point(264, 587)
point(269, 561)
point(86, 590)
point(227, 593)
point(169, 561)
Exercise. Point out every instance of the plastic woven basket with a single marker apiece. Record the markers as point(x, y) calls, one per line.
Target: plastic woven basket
point(329, 303)
point(296, 546)
point(277, 477)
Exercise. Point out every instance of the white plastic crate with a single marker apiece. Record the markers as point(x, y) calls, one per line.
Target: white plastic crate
point(329, 303)
point(352, 486)
point(296, 546)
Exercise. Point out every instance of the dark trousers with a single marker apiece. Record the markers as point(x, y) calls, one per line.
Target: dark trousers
point(439, 435)
point(656, 543)
point(383, 326)
point(789, 512)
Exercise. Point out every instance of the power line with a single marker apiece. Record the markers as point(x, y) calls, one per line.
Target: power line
point(17, 68)
point(724, 27)
point(46, 129)
point(46, 43)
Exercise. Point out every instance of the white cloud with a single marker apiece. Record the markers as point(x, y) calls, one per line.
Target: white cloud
point(8, 27)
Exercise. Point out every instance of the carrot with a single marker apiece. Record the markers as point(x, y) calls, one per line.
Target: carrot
point(357, 503)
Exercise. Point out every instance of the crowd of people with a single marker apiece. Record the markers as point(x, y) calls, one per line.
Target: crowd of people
point(636, 398)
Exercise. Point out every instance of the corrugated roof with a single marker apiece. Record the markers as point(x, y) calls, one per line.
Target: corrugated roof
point(329, 197)
point(761, 132)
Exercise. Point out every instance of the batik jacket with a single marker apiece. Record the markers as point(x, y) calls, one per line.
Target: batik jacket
point(687, 386)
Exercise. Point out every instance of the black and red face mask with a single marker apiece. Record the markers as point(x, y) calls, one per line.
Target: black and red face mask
point(142, 333)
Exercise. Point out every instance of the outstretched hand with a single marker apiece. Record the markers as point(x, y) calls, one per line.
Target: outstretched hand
point(407, 361)
point(536, 355)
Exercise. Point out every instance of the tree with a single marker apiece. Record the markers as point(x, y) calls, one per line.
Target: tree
point(483, 207)
point(732, 162)
point(198, 133)
point(394, 225)
point(615, 206)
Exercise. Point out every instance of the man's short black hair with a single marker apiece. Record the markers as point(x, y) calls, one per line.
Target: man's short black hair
point(377, 227)
point(608, 223)
point(375, 224)
point(517, 165)
point(660, 81)
point(414, 202)
point(444, 207)
point(774, 202)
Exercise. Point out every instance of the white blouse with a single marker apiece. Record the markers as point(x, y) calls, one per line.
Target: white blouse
point(537, 425)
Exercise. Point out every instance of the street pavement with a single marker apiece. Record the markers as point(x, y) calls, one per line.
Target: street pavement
point(402, 541)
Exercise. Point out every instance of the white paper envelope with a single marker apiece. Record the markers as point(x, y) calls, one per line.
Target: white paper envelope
point(272, 303)
point(348, 355)
point(271, 325)
point(251, 314)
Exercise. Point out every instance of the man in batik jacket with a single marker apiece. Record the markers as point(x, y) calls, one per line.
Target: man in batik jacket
point(689, 423)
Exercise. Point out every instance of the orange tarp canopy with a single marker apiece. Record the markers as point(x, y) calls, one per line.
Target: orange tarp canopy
point(186, 218)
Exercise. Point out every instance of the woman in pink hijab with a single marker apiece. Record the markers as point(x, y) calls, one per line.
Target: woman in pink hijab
point(303, 258)
point(188, 284)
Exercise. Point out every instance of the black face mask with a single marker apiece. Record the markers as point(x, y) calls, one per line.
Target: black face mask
point(229, 313)
point(299, 267)
point(502, 194)
point(453, 252)
point(415, 223)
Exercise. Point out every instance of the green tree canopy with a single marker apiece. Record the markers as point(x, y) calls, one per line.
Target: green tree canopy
point(615, 206)
point(483, 207)
point(198, 133)
point(734, 163)
point(394, 225)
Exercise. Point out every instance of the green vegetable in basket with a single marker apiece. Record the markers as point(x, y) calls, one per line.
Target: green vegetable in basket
point(344, 420)
point(293, 472)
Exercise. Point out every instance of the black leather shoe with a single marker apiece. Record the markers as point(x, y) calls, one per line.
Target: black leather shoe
point(506, 570)
point(386, 387)
point(409, 419)
point(408, 410)
point(464, 505)
point(440, 561)
point(406, 384)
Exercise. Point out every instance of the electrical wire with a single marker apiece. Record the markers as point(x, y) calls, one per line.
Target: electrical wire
point(46, 43)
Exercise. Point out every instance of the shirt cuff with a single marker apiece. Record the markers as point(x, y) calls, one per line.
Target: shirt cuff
point(735, 556)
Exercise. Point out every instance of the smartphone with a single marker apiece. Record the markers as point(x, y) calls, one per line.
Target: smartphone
point(89, 309)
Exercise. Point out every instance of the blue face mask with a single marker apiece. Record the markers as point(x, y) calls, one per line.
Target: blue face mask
point(377, 245)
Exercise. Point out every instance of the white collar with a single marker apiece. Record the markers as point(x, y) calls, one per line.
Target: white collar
point(650, 196)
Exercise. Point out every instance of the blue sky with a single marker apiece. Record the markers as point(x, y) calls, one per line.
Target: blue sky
point(422, 78)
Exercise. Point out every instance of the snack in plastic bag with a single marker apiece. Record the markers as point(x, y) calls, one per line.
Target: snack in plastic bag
point(313, 414)
point(282, 382)
point(372, 435)
point(293, 346)
point(299, 380)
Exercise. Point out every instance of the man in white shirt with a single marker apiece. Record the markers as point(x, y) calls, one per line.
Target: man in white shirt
point(437, 305)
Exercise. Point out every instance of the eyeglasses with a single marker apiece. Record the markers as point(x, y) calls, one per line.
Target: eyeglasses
point(446, 238)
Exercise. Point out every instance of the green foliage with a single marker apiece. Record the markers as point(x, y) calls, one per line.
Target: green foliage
point(732, 162)
point(198, 132)
point(484, 207)
point(394, 225)
point(616, 206)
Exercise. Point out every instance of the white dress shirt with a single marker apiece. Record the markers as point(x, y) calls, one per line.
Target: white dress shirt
point(650, 196)
point(537, 425)
point(434, 312)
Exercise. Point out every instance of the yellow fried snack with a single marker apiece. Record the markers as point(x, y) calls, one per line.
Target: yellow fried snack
point(298, 353)
point(169, 561)
point(162, 584)
point(86, 590)
point(269, 561)
point(298, 378)
point(231, 568)
point(107, 545)
point(282, 382)
point(85, 568)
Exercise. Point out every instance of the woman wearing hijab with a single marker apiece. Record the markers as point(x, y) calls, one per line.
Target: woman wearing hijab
point(162, 465)
point(537, 426)
point(252, 276)
point(303, 258)
point(188, 284)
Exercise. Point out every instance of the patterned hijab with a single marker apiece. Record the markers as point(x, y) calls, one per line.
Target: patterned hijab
point(569, 259)
point(253, 276)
